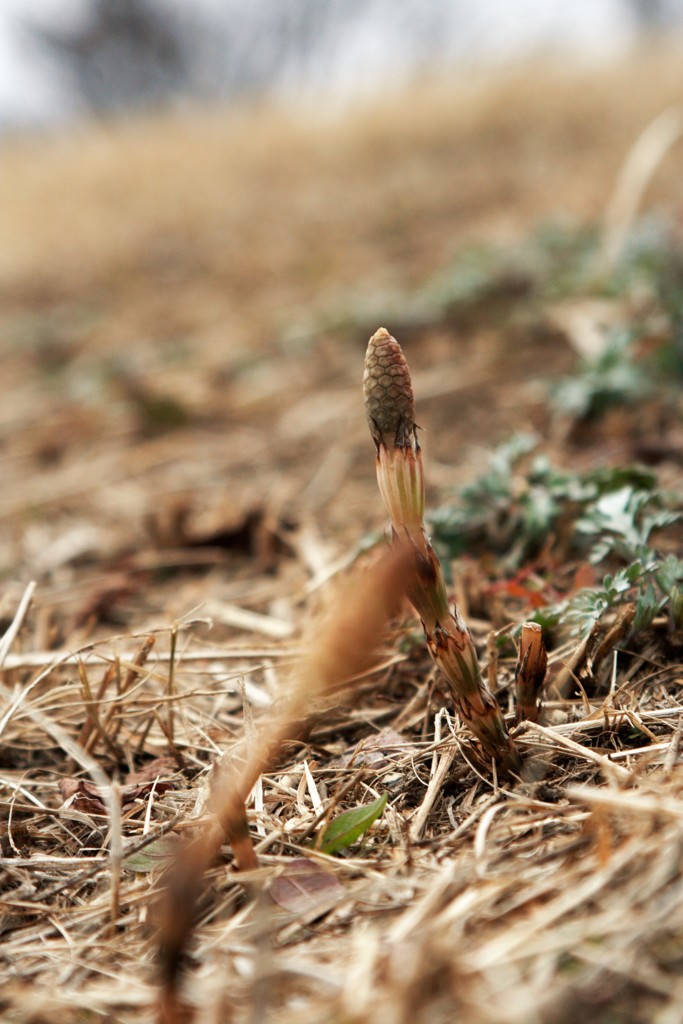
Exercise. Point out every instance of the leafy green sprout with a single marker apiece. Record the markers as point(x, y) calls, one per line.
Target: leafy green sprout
point(349, 826)
point(614, 514)
point(512, 511)
point(614, 376)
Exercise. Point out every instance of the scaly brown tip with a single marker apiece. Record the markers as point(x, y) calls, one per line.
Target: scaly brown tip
point(388, 392)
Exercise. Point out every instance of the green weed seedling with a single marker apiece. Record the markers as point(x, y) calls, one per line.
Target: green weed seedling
point(611, 516)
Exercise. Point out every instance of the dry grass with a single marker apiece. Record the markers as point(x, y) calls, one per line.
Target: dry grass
point(162, 260)
point(532, 903)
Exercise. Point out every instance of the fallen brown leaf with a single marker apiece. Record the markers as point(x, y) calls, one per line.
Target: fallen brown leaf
point(304, 885)
point(87, 797)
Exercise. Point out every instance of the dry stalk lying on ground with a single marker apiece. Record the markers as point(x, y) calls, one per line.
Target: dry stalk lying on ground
point(343, 650)
point(389, 406)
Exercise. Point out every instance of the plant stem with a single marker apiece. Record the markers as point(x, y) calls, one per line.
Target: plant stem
point(389, 407)
point(532, 664)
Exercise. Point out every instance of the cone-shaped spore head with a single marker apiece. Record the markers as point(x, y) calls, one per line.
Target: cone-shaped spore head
point(388, 392)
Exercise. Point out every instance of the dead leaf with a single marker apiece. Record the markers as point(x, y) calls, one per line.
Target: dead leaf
point(254, 532)
point(158, 768)
point(375, 750)
point(585, 576)
point(304, 885)
point(82, 796)
point(87, 797)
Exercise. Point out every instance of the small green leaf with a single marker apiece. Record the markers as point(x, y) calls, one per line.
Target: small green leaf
point(152, 856)
point(669, 574)
point(350, 825)
point(647, 606)
point(676, 607)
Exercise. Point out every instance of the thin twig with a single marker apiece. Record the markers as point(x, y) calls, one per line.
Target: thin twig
point(16, 624)
point(609, 769)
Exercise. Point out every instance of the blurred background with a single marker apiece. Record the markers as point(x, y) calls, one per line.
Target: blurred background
point(64, 58)
point(205, 210)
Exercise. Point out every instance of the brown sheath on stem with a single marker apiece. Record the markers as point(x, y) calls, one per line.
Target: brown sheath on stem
point(532, 664)
point(390, 410)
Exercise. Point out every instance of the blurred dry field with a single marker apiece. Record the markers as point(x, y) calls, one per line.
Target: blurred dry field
point(184, 307)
